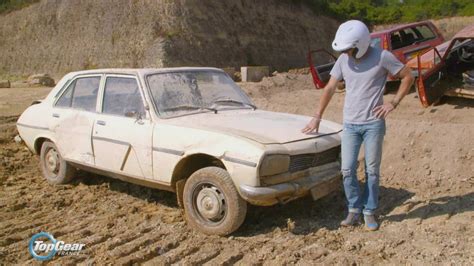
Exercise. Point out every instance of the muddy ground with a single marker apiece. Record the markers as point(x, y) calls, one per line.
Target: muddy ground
point(426, 205)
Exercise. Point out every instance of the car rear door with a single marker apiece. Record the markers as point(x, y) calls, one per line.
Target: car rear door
point(73, 116)
point(122, 135)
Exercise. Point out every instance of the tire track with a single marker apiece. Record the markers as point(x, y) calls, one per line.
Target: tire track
point(173, 256)
point(157, 249)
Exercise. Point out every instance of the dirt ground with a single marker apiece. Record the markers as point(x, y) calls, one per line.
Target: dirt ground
point(426, 205)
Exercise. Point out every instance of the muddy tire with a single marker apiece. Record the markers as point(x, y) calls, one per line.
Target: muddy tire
point(212, 204)
point(55, 169)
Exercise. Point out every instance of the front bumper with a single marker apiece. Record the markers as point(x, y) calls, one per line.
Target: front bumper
point(320, 181)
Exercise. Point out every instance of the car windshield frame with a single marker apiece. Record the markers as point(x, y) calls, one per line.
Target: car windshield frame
point(204, 109)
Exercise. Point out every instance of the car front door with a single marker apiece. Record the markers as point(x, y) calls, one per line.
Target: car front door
point(431, 76)
point(122, 134)
point(320, 63)
point(73, 116)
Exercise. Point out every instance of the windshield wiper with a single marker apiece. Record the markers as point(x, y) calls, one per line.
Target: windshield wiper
point(189, 107)
point(234, 101)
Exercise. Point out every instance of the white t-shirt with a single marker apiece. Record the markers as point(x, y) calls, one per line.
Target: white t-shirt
point(365, 80)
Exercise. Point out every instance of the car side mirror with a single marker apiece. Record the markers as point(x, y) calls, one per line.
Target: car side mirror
point(131, 113)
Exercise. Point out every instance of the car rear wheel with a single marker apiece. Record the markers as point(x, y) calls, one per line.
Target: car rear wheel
point(55, 169)
point(211, 202)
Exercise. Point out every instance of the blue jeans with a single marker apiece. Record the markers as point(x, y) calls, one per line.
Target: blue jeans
point(353, 136)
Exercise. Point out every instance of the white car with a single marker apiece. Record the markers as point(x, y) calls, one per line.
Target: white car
point(192, 131)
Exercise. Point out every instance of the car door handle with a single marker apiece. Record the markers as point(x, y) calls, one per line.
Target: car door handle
point(56, 115)
point(100, 122)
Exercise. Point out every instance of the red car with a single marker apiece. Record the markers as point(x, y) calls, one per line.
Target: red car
point(404, 41)
point(407, 41)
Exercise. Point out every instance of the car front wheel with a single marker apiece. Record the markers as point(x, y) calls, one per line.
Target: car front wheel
point(55, 169)
point(211, 202)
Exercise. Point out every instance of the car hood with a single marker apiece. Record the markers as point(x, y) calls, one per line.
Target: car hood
point(262, 126)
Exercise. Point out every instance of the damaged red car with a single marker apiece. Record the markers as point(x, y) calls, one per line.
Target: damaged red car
point(447, 69)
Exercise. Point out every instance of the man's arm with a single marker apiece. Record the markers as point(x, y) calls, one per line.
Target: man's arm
point(406, 81)
point(328, 92)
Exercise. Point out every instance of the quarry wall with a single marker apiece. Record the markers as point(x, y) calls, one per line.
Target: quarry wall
point(58, 36)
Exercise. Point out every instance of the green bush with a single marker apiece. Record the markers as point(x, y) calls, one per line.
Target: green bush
point(7, 6)
point(391, 11)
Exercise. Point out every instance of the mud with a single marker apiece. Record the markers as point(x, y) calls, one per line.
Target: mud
point(426, 205)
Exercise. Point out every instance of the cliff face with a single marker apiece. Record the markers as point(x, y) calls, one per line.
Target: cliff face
point(59, 36)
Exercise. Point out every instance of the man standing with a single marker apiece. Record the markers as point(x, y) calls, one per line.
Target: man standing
point(364, 70)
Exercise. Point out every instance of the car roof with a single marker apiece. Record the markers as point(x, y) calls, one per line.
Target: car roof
point(141, 71)
point(399, 27)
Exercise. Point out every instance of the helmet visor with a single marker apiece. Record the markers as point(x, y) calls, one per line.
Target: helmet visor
point(341, 47)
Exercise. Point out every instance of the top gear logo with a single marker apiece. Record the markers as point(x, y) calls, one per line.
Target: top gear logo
point(43, 246)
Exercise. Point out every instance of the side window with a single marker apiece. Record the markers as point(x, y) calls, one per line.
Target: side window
point(403, 38)
point(396, 40)
point(122, 97)
point(81, 94)
point(425, 32)
point(66, 98)
point(408, 36)
point(85, 93)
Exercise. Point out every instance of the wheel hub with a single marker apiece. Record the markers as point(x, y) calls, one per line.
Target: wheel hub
point(52, 161)
point(210, 203)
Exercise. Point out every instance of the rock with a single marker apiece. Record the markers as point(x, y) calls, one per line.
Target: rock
point(279, 80)
point(17, 139)
point(230, 71)
point(237, 76)
point(41, 79)
point(5, 84)
point(290, 224)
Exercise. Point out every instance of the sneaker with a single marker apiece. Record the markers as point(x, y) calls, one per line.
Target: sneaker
point(371, 223)
point(352, 219)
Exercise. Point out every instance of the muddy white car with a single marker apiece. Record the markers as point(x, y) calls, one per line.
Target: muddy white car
point(192, 131)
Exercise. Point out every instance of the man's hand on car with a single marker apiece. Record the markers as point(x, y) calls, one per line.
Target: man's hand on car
point(313, 125)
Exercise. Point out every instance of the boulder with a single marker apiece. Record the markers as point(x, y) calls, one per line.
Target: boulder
point(41, 79)
point(254, 73)
point(5, 84)
point(230, 71)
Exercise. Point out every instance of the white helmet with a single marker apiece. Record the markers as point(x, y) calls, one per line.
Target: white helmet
point(352, 34)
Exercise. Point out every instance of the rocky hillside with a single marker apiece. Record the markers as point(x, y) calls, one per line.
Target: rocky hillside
point(58, 36)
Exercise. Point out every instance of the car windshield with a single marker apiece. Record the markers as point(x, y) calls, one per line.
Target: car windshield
point(187, 92)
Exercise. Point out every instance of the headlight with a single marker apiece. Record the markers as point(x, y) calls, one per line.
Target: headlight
point(274, 164)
